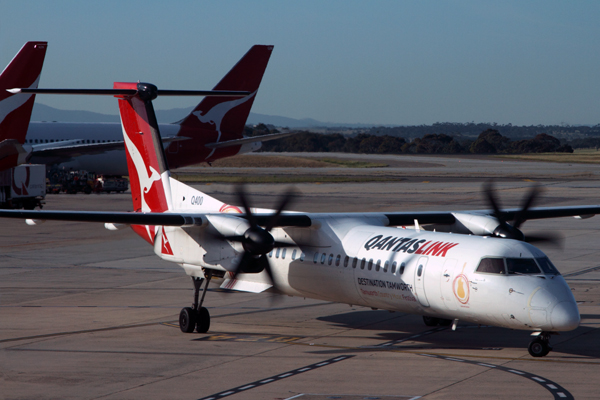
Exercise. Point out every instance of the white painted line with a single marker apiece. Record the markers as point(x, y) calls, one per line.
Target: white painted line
point(429, 355)
point(386, 344)
point(487, 365)
point(267, 380)
point(285, 375)
point(226, 393)
point(453, 359)
point(551, 386)
point(339, 359)
point(246, 387)
point(323, 363)
point(516, 372)
point(538, 379)
point(304, 369)
point(561, 394)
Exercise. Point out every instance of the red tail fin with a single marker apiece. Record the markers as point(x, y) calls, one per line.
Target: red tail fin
point(15, 109)
point(229, 114)
point(148, 172)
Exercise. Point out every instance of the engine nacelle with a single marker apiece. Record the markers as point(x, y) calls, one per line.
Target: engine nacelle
point(475, 224)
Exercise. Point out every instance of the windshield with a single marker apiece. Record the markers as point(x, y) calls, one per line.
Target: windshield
point(547, 266)
point(522, 266)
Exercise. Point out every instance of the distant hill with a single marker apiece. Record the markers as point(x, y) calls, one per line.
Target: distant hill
point(42, 112)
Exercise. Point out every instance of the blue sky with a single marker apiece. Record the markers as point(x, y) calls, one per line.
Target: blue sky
point(380, 62)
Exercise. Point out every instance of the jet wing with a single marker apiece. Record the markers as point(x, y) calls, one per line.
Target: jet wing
point(239, 142)
point(78, 147)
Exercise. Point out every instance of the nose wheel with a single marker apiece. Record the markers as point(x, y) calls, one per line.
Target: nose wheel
point(196, 317)
point(540, 346)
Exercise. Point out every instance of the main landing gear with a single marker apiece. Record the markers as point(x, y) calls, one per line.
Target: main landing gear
point(196, 316)
point(540, 346)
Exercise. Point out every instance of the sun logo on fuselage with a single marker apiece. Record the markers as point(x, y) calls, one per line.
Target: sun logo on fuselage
point(460, 287)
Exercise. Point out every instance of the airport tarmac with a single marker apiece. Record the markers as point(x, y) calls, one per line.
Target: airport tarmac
point(90, 313)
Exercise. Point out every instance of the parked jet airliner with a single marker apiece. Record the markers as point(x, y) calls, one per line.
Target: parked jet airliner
point(213, 130)
point(481, 270)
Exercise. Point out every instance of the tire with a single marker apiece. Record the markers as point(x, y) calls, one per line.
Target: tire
point(445, 322)
point(538, 348)
point(203, 321)
point(187, 320)
point(431, 321)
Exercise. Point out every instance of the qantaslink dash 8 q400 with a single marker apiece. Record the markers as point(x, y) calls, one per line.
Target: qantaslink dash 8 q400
point(213, 130)
point(480, 269)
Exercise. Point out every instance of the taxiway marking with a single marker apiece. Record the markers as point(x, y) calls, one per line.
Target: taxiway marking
point(275, 378)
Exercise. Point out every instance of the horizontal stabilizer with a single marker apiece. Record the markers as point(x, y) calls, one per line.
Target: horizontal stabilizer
point(131, 92)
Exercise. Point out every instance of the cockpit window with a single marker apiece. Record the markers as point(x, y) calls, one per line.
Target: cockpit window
point(491, 266)
point(547, 266)
point(521, 266)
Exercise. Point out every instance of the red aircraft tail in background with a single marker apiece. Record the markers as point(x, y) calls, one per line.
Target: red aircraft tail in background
point(15, 109)
point(220, 119)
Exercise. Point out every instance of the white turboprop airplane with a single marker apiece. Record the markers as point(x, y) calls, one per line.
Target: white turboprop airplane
point(481, 270)
point(213, 130)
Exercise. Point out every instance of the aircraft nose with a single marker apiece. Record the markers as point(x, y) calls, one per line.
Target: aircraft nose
point(565, 316)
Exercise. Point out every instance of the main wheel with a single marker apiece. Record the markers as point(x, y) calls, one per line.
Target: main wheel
point(203, 322)
point(431, 321)
point(538, 348)
point(187, 320)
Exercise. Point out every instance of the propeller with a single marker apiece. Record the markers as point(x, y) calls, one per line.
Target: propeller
point(257, 241)
point(512, 231)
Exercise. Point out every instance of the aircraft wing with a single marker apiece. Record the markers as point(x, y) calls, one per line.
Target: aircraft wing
point(135, 218)
point(238, 142)
point(78, 147)
point(299, 220)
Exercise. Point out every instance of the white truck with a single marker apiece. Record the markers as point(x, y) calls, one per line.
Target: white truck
point(23, 187)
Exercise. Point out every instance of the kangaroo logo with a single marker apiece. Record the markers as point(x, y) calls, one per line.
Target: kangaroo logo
point(146, 180)
point(11, 103)
point(21, 191)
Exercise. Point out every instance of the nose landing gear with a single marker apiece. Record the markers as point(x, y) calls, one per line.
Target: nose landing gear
point(540, 346)
point(196, 316)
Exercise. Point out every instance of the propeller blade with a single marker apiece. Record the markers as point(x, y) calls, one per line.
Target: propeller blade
point(529, 201)
point(283, 202)
point(243, 200)
point(546, 237)
point(490, 194)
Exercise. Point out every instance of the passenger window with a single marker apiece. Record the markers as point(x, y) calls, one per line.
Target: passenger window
point(401, 268)
point(302, 257)
point(521, 266)
point(330, 259)
point(316, 258)
point(346, 259)
point(354, 262)
point(294, 254)
point(337, 260)
point(378, 265)
point(271, 253)
point(370, 264)
point(362, 263)
point(283, 253)
point(277, 252)
point(323, 257)
point(491, 266)
point(394, 267)
point(547, 266)
point(385, 266)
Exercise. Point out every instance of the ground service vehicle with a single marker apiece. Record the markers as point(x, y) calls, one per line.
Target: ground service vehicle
point(23, 187)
